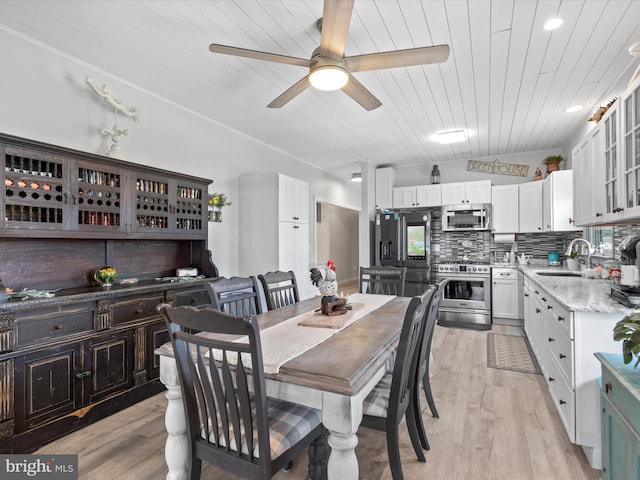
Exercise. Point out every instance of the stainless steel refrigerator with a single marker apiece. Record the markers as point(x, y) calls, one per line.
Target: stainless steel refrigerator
point(403, 239)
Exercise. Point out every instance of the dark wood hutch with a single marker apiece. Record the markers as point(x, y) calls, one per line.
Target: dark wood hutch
point(87, 352)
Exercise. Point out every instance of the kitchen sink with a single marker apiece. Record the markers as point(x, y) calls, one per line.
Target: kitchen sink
point(560, 274)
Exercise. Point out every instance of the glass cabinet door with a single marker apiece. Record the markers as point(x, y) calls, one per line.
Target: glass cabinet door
point(631, 139)
point(612, 201)
point(36, 194)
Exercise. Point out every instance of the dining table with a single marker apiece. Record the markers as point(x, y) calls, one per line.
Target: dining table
point(326, 362)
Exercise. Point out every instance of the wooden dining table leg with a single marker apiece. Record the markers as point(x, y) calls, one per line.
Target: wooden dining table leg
point(341, 415)
point(176, 450)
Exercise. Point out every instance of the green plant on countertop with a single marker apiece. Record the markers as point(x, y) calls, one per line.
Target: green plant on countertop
point(628, 330)
point(573, 254)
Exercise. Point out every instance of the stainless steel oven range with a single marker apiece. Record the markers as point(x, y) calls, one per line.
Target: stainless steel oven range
point(466, 302)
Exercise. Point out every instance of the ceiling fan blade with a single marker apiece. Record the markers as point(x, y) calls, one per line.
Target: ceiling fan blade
point(360, 94)
point(398, 58)
point(270, 57)
point(336, 17)
point(293, 91)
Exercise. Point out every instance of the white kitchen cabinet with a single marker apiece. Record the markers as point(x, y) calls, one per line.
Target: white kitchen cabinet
point(564, 343)
point(630, 158)
point(466, 192)
point(506, 296)
point(530, 207)
point(557, 202)
point(504, 209)
point(274, 234)
point(429, 195)
point(588, 175)
point(417, 197)
point(293, 200)
point(385, 178)
point(404, 197)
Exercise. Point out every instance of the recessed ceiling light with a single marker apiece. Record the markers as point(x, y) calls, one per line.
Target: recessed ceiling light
point(553, 24)
point(573, 108)
point(453, 136)
point(356, 177)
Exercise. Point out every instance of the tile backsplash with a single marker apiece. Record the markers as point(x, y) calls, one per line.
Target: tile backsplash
point(481, 244)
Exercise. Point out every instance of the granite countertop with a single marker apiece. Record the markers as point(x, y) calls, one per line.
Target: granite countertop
point(575, 293)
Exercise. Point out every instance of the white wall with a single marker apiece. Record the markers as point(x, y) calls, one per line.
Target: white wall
point(44, 96)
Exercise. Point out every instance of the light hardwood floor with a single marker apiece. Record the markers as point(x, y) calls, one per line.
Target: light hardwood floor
point(494, 424)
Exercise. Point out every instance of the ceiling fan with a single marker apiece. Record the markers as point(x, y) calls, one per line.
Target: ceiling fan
point(329, 69)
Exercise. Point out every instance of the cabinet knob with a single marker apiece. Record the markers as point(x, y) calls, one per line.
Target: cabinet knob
point(550, 339)
point(562, 402)
point(560, 319)
point(562, 355)
point(59, 326)
point(608, 387)
point(598, 214)
point(549, 307)
point(571, 220)
point(538, 310)
point(544, 299)
point(86, 373)
point(551, 379)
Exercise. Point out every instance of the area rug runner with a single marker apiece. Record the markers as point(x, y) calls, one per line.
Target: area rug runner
point(511, 352)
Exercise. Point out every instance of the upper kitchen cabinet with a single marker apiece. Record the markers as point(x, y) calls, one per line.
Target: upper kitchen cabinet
point(588, 174)
point(385, 177)
point(630, 139)
point(53, 191)
point(421, 196)
point(557, 202)
point(504, 209)
point(293, 200)
point(530, 207)
point(466, 192)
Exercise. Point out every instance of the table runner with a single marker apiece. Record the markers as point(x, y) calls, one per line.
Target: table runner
point(288, 339)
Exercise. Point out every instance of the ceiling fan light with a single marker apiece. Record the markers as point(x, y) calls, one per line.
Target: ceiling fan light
point(573, 108)
point(356, 177)
point(329, 77)
point(453, 136)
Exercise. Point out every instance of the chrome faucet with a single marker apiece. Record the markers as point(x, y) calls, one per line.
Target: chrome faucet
point(576, 240)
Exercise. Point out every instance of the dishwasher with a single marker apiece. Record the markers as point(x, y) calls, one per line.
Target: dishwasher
point(507, 306)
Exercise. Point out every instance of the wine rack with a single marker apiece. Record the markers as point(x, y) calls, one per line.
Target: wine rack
point(188, 208)
point(152, 204)
point(98, 197)
point(33, 189)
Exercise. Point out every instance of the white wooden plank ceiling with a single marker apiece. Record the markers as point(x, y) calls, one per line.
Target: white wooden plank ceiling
point(507, 81)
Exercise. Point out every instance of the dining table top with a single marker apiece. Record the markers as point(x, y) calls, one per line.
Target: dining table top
point(344, 362)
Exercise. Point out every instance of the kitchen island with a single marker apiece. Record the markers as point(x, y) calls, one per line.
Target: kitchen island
point(567, 319)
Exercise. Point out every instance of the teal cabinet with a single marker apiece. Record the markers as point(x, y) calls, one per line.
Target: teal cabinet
point(620, 414)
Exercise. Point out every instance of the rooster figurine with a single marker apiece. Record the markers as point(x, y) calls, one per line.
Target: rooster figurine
point(324, 278)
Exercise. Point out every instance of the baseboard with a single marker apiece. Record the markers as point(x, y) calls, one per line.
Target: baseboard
point(594, 456)
point(513, 322)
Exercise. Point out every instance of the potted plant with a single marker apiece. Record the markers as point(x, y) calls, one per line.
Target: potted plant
point(216, 202)
point(628, 330)
point(553, 163)
point(572, 261)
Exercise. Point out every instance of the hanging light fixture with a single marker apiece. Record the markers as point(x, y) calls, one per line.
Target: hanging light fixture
point(356, 177)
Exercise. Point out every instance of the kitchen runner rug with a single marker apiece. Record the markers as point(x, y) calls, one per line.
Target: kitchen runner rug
point(511, 352)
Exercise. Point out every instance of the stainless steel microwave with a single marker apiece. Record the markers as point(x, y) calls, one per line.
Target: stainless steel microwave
point(466, 217)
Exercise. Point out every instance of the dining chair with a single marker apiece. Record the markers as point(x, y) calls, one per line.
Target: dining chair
point(391, 399)
point(280, 289)
point(236, 295)
point(231, 423)
point(382, 280)
point(424, 362)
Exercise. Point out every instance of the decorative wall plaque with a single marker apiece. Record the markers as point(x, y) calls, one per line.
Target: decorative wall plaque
point(495, 167)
